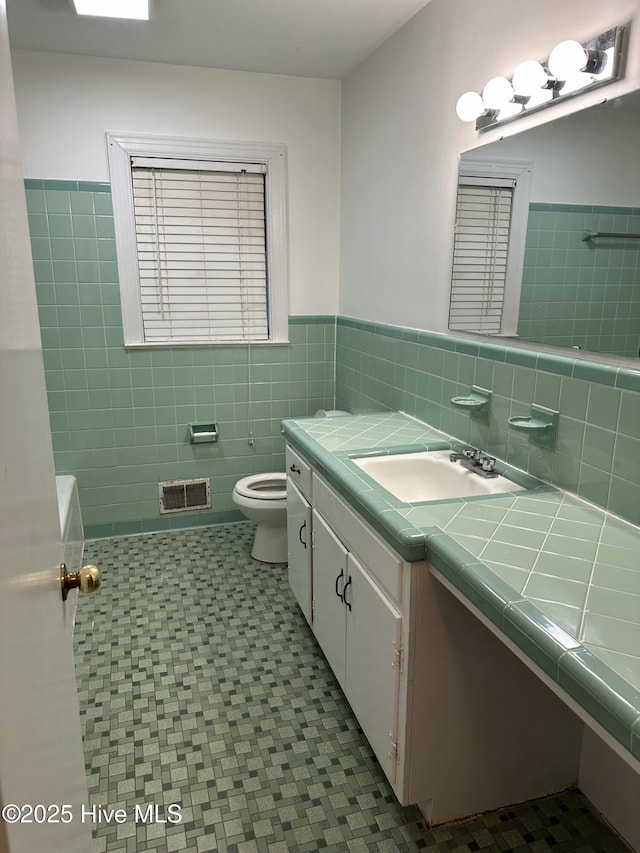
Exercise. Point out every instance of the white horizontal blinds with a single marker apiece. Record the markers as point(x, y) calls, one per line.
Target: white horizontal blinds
point(480, 254)
point(201, 242)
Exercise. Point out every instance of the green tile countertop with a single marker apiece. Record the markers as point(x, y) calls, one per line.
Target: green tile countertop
point(559, 577)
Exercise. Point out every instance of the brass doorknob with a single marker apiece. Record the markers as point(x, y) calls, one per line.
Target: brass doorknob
point(86, 579)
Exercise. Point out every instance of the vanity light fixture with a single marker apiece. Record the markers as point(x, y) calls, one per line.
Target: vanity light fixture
point(572, 68)
point(137, 10)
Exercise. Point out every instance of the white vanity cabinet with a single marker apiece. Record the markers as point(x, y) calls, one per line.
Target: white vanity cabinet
point(443, 703)
point(359, 630)
point(299, 548)
point(329, 610)
point(358, 622)
point(299, 531)
point(374, 640)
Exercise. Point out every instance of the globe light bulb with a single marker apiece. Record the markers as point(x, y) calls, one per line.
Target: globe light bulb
point(528, 77)
point(509, 110)
point(469, 106)
point(497, 93)
point(567, 59)
point(575, 82)
point(539, 97)
point(132, 9)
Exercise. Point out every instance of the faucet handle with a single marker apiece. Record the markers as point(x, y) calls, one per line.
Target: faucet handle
point(487, 462)
point(471, 453)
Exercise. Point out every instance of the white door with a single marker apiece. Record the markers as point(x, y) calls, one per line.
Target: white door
point(299, 547)
point(41, 761)
point(329, 611)
point(374, 635)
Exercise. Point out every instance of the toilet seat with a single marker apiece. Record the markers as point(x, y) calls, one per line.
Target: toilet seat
point(263, 487)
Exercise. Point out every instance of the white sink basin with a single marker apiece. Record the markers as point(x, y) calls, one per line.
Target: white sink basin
point(424, 476)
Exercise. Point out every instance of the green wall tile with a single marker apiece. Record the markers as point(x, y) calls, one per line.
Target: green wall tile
point(594, 485)
point(121, 416)
point(602, 374)
point(598, 447)
point(603, 406)
point(375, 366)
point(57, 201)
point(592, 277)
point(82, 203)
point(624, 499)
point(630, 378)
point(102, 204)
point(626, 458)
point(629, 415)
point(59, 225)
point(547, 390)
point(36, 199)
point(85, 249)
point(577, 464)
point(574, 395)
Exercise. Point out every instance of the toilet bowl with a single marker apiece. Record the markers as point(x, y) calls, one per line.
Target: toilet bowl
point(263, 499)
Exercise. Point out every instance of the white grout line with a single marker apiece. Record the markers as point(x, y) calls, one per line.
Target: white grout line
point(541, 549)
point(585, 610)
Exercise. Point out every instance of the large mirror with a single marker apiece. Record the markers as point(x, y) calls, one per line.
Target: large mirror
point(574, 265)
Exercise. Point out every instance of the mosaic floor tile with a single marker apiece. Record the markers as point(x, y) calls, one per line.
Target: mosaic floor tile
point(201, 684)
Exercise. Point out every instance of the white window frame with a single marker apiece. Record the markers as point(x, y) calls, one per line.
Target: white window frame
point(520, 172)
point(122, 147)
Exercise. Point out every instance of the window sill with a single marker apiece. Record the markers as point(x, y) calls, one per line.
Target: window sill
point(206, 344)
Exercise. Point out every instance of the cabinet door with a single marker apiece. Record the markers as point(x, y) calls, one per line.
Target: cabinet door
point(329, 611)
point(374, 634)
point(299, 548)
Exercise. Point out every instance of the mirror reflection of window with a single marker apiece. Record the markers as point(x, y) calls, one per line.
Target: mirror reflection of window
point(480, 253)
point(488, 253)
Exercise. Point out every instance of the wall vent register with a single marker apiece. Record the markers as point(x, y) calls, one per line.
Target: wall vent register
point(184, 495)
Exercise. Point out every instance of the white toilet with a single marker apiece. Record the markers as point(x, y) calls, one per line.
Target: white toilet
point(263, 499)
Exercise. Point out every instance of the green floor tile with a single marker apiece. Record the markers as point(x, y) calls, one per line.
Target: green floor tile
point(201, 684)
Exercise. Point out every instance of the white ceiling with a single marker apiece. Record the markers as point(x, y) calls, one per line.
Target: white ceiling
point(309, 38)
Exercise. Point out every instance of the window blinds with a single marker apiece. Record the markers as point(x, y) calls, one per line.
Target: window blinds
point(201, 244)
point(480, 254)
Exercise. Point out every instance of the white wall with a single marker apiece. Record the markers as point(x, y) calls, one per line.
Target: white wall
point(569, 156)
point(67, 103)
point(401, 140)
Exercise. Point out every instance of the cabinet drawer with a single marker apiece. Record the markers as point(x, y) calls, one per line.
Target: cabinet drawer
point(299, 471)
point(381, 561)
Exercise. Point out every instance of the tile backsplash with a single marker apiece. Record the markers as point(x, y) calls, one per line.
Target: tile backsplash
point(119, 418)
point(597, 449)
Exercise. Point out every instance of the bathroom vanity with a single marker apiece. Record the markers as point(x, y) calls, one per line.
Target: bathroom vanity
point(445, 706)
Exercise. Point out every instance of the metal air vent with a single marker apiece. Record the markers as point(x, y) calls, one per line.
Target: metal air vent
point(184, 495)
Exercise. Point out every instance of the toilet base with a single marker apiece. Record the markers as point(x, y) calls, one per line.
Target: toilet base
point(270, 544)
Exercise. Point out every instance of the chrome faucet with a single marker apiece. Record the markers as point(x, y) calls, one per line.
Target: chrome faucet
point(475, 460)
point(465, 453)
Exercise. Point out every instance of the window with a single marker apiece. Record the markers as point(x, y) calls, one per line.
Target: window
point(481, 245)
point(488, 253)
point(200, 234)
